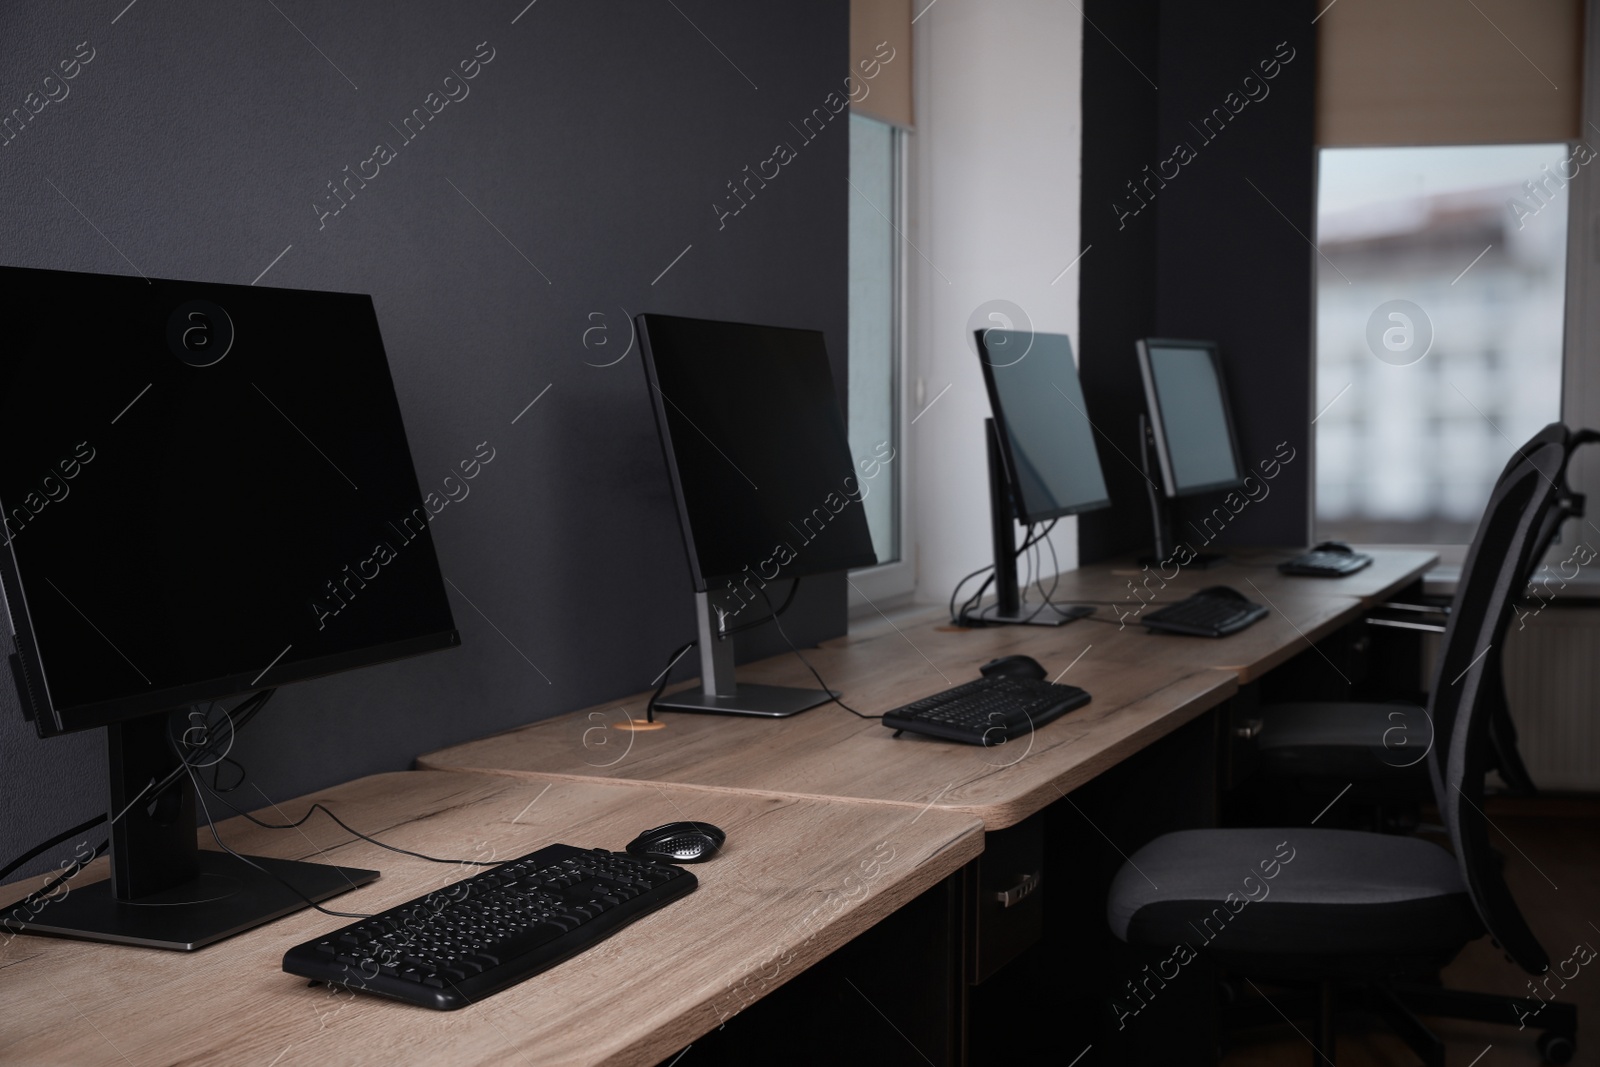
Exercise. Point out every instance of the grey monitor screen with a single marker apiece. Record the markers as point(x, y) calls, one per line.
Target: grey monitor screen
point(1045, 436)
point(1189, 412)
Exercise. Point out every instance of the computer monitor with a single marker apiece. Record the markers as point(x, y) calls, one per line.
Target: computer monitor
point(1189, 417)
point(206, 491)
point(766, 489)
point(1043, 463)
point(1189, 428)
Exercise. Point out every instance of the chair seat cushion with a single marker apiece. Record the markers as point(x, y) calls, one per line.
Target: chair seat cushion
point(1294, 891)
point(1345, 740)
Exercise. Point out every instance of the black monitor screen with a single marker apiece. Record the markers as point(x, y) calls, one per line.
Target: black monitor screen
point(1045, 429)
point(756, 443)
point(206, 489)
point(1189, 409)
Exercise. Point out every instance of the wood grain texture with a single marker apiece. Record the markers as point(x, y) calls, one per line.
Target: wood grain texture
point(1303, 610)
point(1144, 686)
point(1254, 573)
point(827, 752)
point(797, 879)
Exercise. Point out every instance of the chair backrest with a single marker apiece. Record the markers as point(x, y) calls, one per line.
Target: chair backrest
point(1494, 573)
point(1556, 433)
point(1569, 505)
point(1507, 759)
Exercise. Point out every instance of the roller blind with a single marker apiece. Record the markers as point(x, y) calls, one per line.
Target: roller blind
point(880, 59)
point(1426, 72)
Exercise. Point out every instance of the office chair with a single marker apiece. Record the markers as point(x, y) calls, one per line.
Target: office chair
point(1377, 747)
point(1357, 912)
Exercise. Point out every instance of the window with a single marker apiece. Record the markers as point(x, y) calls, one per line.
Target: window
point(1440, 307)
point(876, 349)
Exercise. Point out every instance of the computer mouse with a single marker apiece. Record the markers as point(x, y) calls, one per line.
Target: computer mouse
point(1334, 546)
point(1014, 667)
point(1224, 592)
point(678, 842)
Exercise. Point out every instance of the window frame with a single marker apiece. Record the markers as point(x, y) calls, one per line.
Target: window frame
point(1580, 365)
point(895, 582)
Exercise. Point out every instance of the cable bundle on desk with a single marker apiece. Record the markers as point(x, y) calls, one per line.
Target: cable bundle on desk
point(966, 617)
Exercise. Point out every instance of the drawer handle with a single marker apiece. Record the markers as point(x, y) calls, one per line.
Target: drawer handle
point(1018, 892)
point(1247, 730)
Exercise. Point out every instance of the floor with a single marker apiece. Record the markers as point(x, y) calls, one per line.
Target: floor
point(1552, 849)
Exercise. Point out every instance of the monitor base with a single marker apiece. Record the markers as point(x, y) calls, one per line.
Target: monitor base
point(1203, 561)
point(1047, 615)
point(228, 897)
point(767, 701)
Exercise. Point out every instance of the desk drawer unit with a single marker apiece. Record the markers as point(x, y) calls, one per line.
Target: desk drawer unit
point(1008, 912)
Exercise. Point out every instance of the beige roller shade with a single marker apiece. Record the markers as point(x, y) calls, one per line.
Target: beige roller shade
point(880, 59)
point(1420, 72)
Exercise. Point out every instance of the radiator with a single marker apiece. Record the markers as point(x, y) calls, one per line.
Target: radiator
point(1552, 670)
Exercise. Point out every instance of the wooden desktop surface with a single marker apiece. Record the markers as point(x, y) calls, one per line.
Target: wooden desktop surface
point(1253, 572)
point(816, 873)
point(1302, 610)
point(1144, 686)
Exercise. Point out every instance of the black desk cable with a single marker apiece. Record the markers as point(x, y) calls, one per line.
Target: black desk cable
point(191, 761)
point(831, 695)
point(246, 710)
point(966, 617)
point(772, 617)
point(672, 661)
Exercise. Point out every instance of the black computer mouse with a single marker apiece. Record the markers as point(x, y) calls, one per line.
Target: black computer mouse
point(1224, 592)
point(1334, 546)
point(678, 842)
point(1014, 667)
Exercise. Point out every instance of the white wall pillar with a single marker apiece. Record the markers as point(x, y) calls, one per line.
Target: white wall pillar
point(994, 205)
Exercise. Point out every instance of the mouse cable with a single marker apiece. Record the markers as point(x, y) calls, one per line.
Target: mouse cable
point(1035, 574)
point(794, 587)
point(1055, 583)
point(650, 705)
point(831, 695)
point(962, 617)
point(318, 806)
point(957, 590)
point(211, 823)
point(249, 706)
point(1045, 595)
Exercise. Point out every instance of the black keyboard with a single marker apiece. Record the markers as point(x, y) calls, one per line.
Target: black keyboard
point(1205, 615)
point(461, 943)
point(989, 711)
point(1316, 564)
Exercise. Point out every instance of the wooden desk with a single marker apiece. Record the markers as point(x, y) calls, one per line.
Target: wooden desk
point(1144, 687)
point(1391, 570)
point(827, 752)
point(1303, 610)
point(816, 873)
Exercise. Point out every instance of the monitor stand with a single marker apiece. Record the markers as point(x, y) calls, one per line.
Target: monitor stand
point(720, 694)
point(1164, 549)
point(164, 891)
point(1008, 610)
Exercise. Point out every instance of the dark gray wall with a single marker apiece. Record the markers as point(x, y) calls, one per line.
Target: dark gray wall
point(198, 140)
point(1208, 256)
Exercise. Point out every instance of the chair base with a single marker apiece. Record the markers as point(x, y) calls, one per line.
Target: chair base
point(1400, 1006)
